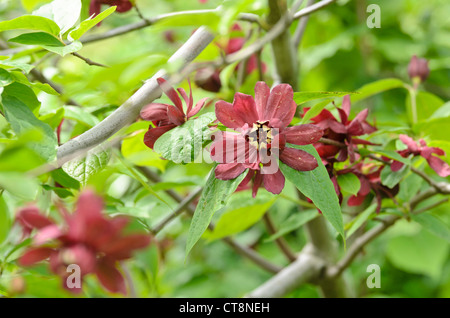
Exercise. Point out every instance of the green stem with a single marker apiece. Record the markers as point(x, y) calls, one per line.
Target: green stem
point(413, 95)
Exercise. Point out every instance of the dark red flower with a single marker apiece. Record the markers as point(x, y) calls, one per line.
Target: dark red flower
point(89, 239)
point(437, 164)
point(166, 117)
point(122, 5)
point(418, 70)
point(369, 177)
point(261, 136)
point(343, 131)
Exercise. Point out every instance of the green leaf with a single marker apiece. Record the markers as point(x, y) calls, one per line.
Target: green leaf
point(426, 103)
point(64, 179)
point(392, 155)
point(21, 78)
point(192, 18)
point(23, 120)
point(23, 93)
point(81, 115)
point(60, 192)
point(37, 38)
point(135, 151)
point(5, 78)
point(88, 24)
point(421, 253)
point(433, 224)
point(184, 143)
point(409, 187)
point(5, 221)
point(66, 49)
point(53, 119)
point(293, 222)
point(303, 97)
point(376, 87)
point(83, 169)
point(360, 219)
point(31, 22)
point(317, 186)
point(314, 111)
point(349, 183)
point(435, 129)
point(19, 185)
point(441, 112)
point(239, 218)
point(16, 65)
point(214, 197)
point(391, 178)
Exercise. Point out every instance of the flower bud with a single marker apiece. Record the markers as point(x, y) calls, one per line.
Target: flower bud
point(208, 79)
point(418, 69)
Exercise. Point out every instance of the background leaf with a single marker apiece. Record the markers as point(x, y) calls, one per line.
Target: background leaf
point(214, 197)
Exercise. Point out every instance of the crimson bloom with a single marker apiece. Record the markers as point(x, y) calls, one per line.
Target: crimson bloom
point(437, 164)
point(369, 177)
point(262, 131)
point(89, 239)
point(166, 117)
point(343, 131)
point(122, 5)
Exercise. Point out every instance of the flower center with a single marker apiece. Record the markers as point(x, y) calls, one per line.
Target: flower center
point(260, 136)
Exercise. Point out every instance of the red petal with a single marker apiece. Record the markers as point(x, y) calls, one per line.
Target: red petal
point(226, 114)
point(244, 106)
point(197, 107)
point(35, 255)
point(32, 218)
point(281, 104)
point(396, 165)
point(46, 234)
point(438, 165)
point(257, 183)
point(409, 142)
point(153, 134)
point(356, 200)
point(176, 117)
point(303, 134)
point(274, 182)
point(170, 92)
point(262, 93)
point(122, 248)
point(228, 171)
point(344, 112)
point(298, 159)
point(154, 112)
point(110, 277)
point(88, 209)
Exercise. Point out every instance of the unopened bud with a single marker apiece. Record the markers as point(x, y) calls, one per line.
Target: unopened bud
point(208, 79)
point(418, 70)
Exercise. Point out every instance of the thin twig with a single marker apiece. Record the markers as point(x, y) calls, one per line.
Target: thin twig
point(88, 61)
point(180, 208)
point(280, 241)
point(41, 78)
point(298, 35)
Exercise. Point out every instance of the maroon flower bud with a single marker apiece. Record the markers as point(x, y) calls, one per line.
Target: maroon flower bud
point(418, 69)
point(208, 79)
